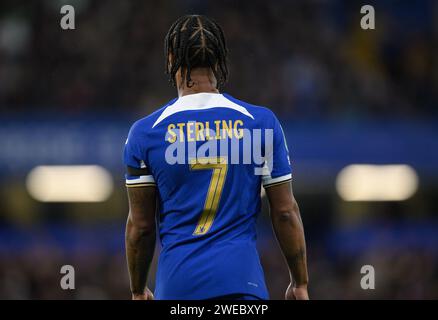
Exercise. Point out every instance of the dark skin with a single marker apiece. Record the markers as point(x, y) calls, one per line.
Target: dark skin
point(288, 228)
point(140, 239)
point(141, 227)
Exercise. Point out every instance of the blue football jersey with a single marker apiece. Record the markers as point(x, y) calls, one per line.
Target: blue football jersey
point(208, 155)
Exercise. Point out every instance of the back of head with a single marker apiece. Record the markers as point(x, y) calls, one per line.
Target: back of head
point(195, 41)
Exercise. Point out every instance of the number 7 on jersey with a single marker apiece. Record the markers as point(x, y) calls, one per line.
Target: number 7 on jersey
point(219, 166)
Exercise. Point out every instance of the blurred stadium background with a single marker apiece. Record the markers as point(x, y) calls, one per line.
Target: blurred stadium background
point(345, 97)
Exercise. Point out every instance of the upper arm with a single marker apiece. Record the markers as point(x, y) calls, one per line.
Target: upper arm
point(281, 199)
point(142, 207)
point(139, 179)
point(277, 163)
point(277, 181)
point(138, 172)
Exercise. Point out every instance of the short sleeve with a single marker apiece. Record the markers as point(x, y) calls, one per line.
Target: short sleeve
point(137, 172)
point(277, 161)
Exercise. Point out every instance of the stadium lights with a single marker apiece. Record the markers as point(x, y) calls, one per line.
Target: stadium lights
point(82, 183)
point(367, 182)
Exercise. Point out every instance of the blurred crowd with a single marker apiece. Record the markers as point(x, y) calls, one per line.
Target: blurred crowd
point(301, 58)
point(35, 274)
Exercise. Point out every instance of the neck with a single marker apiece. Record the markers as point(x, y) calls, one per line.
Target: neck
point(202, 80)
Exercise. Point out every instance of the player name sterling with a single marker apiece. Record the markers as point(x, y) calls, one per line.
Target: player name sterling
point(202, 131)
point(220, 138)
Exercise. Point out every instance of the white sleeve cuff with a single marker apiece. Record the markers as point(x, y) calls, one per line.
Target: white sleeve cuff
point(268, 181)
point(141, 181)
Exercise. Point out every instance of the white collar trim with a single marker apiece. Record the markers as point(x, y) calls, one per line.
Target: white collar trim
point(201, 101)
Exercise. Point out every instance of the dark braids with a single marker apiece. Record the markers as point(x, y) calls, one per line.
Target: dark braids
point(195, 41)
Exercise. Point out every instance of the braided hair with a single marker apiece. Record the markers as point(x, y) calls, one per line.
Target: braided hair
point(195, 41)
